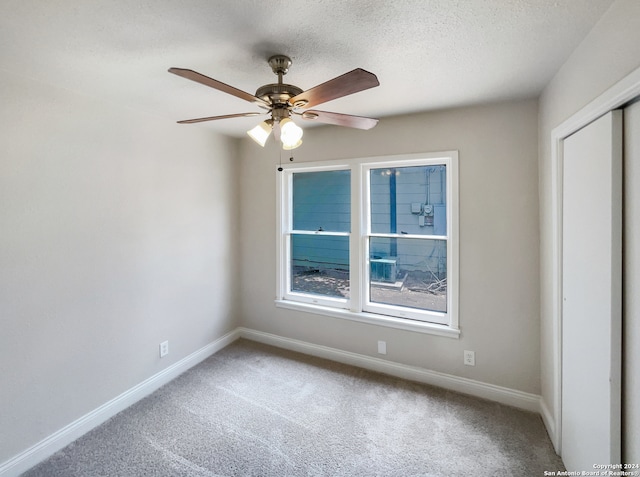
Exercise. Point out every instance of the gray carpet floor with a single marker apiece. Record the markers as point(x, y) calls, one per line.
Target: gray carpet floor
point(255, 410)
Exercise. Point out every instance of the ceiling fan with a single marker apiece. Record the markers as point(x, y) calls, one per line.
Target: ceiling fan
point(282, 101)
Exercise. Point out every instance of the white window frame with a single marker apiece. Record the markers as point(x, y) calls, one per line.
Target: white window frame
point(358, 307)
point(286, 220)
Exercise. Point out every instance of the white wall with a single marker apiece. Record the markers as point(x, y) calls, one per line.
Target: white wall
point(499, 314)
point(116, 233)
point(607, 54)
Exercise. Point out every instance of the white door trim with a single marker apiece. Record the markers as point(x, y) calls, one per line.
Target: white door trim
point(622, 92)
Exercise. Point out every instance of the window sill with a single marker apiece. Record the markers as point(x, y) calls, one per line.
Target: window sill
point(373, 319)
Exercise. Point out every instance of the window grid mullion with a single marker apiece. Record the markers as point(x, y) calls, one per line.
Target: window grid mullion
point(409, 236)
point(318, 232)
point(356, 278)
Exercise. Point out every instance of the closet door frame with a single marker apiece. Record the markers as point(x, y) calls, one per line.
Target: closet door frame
point(618, 95)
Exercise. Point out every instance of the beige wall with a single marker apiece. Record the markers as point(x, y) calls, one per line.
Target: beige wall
point(499, 314)
point(116, 233)
point(608, 54)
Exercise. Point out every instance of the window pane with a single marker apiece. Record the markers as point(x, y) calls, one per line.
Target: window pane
point(409, 200)
point(320, 265)
point(322, 201)
point(408, 272)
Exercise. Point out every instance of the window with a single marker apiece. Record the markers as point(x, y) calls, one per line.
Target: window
point(318, 243)
point(372, 240)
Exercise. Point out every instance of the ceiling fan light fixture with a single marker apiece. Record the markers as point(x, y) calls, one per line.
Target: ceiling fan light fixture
point(290, 134)
point(260, 133)
point(288, 147)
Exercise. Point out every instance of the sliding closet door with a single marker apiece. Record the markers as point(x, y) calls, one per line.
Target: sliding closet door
point(631, 319)
point(592, 294)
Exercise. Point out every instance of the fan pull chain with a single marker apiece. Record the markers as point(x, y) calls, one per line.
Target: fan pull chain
point(280, 169)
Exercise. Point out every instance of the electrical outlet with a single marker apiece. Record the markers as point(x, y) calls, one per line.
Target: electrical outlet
point(382, 347)
point(469, 358)
point(164, 349)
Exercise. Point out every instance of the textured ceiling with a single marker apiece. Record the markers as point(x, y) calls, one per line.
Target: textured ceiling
point(427, 54)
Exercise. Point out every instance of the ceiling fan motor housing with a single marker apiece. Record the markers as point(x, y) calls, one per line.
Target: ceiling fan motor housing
point(278, 94)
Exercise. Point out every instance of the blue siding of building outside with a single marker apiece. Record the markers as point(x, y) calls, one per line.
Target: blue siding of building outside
point(322, 202)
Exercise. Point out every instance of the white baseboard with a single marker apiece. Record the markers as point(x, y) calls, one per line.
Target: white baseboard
point(56, 441)
point(550, 424)
point(510, 397)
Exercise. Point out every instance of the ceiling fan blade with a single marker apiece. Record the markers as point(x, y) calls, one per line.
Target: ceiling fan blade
point(349, 83)
point(220, 86)
point(214, 118)
point(339, 119)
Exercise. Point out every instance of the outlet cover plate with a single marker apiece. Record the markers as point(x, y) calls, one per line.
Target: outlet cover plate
point(164, 349)
point(469, 358)
point(382, 347)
